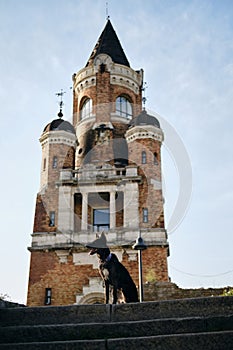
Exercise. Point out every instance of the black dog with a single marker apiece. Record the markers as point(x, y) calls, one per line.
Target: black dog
point(113, 272)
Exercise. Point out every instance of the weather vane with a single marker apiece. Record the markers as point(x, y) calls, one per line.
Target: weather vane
point(61, 103)
point(107, 15)
point(144, 99)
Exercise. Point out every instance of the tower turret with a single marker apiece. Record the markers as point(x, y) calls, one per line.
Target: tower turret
point(144, 137)
point(107, 94)
point(58, 143)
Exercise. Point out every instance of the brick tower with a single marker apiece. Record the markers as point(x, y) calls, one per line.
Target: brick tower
point(103, 173)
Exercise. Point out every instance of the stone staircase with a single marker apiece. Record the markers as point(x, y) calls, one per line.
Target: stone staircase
point(197, 324)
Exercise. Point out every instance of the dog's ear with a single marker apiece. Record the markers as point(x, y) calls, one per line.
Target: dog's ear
point(97, 236)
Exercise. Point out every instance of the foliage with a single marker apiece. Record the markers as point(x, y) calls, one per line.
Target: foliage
point(5, 297)
point(151, 276)
point(228, 292)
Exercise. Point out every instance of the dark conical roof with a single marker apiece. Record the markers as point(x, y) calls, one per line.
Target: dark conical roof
point(144, 119)
point(108, 43)
point(59, 124)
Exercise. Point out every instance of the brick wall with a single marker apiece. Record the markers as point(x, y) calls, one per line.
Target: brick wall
point(154, 261)
point(41, 219)
point(67, 279)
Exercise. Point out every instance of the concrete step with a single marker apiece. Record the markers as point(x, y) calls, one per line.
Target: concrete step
point(198, 341)
point(62, 345)
point(49, 333)
point(189, 341)
point(117, 313)
point(55, 315)
point(197, 307)
point(197, 324)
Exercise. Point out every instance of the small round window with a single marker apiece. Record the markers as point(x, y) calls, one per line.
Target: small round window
point(124, 107)
point(86, 110)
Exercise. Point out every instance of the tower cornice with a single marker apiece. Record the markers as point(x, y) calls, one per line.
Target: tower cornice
point(144, 132)
point(119, 75)
point(59, 136)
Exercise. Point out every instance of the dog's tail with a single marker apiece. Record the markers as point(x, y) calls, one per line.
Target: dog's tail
point(130, 294)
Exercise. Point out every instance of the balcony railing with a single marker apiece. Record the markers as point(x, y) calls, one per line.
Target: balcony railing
point(97, 173)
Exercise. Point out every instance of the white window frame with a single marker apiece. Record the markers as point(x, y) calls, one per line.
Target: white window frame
point(144, 157)
point(124, 107)
point(86, 109)
point(145, 214)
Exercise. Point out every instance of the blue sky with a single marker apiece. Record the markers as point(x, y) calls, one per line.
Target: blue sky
point(186, 51)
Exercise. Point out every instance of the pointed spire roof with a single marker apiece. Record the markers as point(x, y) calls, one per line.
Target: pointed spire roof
point(109, 44)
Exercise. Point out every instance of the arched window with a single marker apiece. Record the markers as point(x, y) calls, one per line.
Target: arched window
point(124, 107)
point(156, 158)
point(86, 109)
point(143, 157)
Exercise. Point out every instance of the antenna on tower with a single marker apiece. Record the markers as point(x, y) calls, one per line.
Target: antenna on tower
point(61, 103)
point(144, 99)
point(107, 15)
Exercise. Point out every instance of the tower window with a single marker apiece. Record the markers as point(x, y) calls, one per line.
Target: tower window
point(143, 157)
point(86, 109)
point(102, 68)
point(44, 164)
point(101, 219)
point(52, 218)
point(145, 215)
point(54, 162)
point(48, 296)
point(124, 107)
point(156, 158)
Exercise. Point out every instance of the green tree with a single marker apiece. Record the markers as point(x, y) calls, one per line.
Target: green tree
point(228, 292)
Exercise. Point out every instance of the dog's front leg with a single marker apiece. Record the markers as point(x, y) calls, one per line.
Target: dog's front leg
point(114, 294)
point(106, 292)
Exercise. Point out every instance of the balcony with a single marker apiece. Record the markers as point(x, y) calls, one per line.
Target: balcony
point(91, 173)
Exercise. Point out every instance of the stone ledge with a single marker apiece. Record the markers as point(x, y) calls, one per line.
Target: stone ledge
point(115, 237)
point(9, 304)
point(169, 290)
